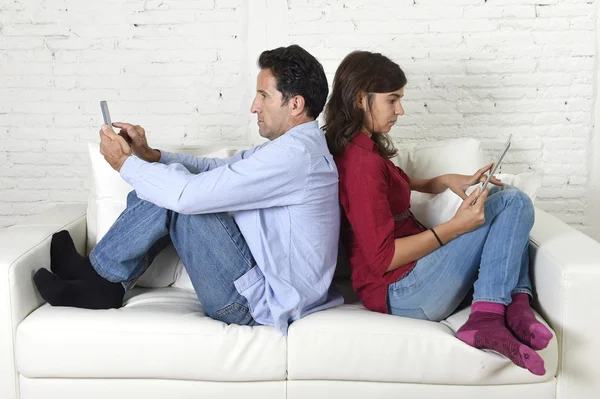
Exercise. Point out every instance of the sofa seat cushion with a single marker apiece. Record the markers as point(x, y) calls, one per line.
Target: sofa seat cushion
point(354, 344)
point(159, 333)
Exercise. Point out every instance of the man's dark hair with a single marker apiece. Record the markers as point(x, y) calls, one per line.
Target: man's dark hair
point(297, 72)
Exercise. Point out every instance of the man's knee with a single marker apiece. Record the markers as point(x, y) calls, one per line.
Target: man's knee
point(132, 198)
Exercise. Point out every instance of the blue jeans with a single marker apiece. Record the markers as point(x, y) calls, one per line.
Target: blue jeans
point(493, 259)
point(211, 247)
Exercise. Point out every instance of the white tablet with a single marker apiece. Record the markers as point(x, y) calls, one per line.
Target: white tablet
point(496, 164)
point(498, 161)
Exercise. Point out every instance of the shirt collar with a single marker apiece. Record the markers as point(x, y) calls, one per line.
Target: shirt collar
point(304, 126)
point(310, 126)
point(365, 142)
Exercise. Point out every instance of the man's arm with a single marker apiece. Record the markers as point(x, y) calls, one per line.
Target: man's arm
point(200, 164)
point(274, 176)
point(135, 136)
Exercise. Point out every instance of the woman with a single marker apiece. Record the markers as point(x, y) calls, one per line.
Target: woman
point(399, 266)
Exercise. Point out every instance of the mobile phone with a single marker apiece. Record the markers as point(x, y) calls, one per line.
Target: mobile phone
point(496, 164)
point(105, 113)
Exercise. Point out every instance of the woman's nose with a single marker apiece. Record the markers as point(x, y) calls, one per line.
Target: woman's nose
point(399, 110)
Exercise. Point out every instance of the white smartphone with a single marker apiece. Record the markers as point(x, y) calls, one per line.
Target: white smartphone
point(105, 113)
point(496, 164)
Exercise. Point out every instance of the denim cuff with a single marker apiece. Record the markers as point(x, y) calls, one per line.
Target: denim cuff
point(127, 285)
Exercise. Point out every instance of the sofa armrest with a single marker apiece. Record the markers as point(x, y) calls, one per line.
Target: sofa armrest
point(24, 248)
point(566, 277)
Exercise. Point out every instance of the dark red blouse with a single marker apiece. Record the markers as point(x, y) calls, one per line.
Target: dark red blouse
point(375, 196)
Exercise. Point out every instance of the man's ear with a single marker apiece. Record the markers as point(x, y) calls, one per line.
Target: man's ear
point(297, 105)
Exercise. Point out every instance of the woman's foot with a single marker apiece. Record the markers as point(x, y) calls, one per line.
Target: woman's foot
point(523, 324)
point(88, 294)
point(485, 329)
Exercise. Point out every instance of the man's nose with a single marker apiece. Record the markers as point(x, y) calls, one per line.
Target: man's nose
point(254, 107)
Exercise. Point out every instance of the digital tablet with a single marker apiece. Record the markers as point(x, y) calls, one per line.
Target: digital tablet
point(496, 164)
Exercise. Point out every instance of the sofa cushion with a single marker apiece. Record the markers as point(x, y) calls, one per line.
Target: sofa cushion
point(434, 158)
point(440, 208)
point(352, 343)
point(159, 333)
point(463, 156)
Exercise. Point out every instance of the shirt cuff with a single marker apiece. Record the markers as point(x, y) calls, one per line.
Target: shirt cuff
point(130, 169)
point(167, 157)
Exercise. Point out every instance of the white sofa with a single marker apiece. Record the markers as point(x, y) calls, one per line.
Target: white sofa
point(161, 344)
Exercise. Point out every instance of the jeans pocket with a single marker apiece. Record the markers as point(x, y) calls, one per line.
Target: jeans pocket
point(235, 314)
point(407, 283)
point(415, 313)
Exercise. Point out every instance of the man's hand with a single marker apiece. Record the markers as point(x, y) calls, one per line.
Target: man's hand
point(460, 183)
point(135, 135)
point(114, 148)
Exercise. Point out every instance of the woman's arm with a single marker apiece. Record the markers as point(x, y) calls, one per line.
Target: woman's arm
point(457, 183)
point(411, 248)
point(467, 218)
point(435, 185)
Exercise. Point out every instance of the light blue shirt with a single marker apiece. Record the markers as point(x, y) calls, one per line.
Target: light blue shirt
point(284, 195)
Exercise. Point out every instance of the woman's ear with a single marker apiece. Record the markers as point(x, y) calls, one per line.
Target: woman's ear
point(361, 100)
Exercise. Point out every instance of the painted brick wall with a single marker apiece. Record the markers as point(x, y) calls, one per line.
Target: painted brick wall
point(185, 70)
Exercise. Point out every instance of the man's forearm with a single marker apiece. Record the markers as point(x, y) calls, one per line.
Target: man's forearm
point(151, 155)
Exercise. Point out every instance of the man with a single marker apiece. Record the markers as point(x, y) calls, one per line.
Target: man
point(270, 263)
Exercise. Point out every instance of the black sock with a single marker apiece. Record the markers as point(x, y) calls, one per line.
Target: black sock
point(88, 294)
point(66, 263)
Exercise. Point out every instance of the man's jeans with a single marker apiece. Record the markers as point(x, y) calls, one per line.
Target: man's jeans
point(494, 257)
point(211, 247)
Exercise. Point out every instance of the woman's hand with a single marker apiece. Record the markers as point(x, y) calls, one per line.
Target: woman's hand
point(460, 183)
point(470, 217)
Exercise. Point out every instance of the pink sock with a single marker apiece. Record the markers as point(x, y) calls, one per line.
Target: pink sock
point(522, 322)
point(485, 329)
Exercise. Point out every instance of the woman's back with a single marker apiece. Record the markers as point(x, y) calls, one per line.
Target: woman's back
point(375, 197)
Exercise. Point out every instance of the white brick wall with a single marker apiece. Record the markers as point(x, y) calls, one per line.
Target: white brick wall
point(185, 69)
point(592, 227)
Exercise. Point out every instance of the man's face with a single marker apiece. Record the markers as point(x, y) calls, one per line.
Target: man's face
point(274, 117)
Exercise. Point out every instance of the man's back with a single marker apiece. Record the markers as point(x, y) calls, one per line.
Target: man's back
point(295, 245)
point(284, 194)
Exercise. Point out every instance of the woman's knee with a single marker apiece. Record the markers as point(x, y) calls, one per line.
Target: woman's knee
point(518, 198)
point(527, 205)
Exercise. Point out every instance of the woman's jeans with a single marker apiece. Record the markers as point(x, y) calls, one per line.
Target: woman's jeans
point(493, 259)
point(211, 247)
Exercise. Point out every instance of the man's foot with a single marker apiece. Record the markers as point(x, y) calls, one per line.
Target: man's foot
point(486, 330)
point(66, 263)
point(88, 294)
point(523, 324)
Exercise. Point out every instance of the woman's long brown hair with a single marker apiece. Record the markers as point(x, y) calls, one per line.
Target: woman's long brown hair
point(360, 71)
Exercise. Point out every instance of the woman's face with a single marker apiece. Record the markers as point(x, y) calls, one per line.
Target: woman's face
point(383, 112)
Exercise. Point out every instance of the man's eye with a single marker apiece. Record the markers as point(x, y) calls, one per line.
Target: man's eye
point(392, 101)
